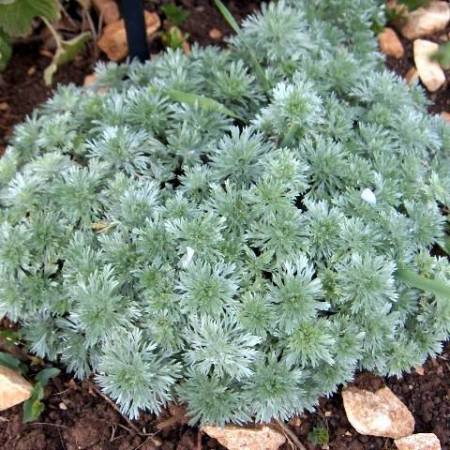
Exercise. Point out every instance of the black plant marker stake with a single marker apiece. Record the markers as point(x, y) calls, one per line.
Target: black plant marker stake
point(133, 15)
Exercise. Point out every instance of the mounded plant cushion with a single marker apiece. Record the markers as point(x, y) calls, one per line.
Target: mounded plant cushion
point(243, 252)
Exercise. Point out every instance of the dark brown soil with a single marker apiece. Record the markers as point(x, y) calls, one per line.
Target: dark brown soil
point(204, 17)
point(22, 85)
point(78, 417)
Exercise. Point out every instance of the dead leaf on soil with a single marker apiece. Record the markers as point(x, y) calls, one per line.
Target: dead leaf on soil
point(66, 52)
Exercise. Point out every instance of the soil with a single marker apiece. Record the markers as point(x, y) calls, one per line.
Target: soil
point(22, 86)
point(77, 416)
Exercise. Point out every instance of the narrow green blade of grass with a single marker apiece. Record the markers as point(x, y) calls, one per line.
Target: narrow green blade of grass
point(203, 102)
point(237, 29)
point(417, 281)
point(227, 16)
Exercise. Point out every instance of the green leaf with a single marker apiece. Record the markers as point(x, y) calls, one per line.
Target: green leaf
point(442, 56)
point(11, 362)
point(175, 14)
point(228, 16)
point(174, 38)
point(45, 375)
point(436, 287)
point(33, 407)
point(66, 51)
point(203, 102)
point(17, 17)
point(5, 50)
point(32, 410)
point(10, 336)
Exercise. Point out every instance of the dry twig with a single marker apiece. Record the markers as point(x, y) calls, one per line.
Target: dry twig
point(290, 435)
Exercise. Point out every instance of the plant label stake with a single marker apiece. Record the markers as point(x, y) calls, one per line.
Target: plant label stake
point(133, 15)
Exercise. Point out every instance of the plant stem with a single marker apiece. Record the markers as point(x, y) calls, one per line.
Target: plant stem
point(54, 33)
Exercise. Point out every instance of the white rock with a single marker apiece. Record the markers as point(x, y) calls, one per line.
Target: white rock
point(14, 389)
point(390, 43)
point(420, 441)
point(430, 72)
point(245, 438)
point(377, 414)
point(368, 196)
point(186, 260)
point(426, 20)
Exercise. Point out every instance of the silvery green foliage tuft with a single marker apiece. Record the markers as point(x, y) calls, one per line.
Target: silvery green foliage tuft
point(243, 266)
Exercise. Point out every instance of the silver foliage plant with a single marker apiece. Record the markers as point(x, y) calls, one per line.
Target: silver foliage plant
point(241, 256)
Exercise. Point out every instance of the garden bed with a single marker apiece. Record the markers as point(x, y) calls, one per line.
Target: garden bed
point(77, 416)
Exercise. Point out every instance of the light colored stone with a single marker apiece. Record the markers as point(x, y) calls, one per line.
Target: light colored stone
point(89, 80)
point(420, 441)
point(368, 196)
point(430, 72)
point(446, 116)
point(108, 10)
point(246, 438)
point(427, 20)
point(215, 33)
point(412, 76)
point(14, 389)
point(378, 413)
point(113, 40)
point(390, 43)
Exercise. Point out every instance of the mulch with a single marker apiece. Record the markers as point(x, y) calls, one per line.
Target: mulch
point(78, 417)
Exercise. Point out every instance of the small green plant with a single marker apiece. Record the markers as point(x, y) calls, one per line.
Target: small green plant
point(176, 15)
point(173, 37)
point(16, 19)
point(66, 50)
point(319, 436)
point(33, 407)
point(7, 360)
point(442, 56)
point(396, 13)
point(239, 229)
